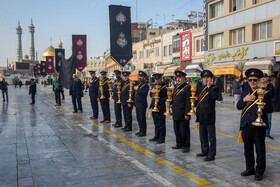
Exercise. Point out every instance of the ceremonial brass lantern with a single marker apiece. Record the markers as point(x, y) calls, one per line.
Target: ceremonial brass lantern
point(193, 91)
point(261, 91)
point(131, 84)
point(157, 91)
point(101, 90)
point(169, 100)
point(119, 85)
point(110, 89)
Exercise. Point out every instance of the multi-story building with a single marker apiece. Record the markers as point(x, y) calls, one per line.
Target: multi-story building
point(97, 64)
point(240, 35)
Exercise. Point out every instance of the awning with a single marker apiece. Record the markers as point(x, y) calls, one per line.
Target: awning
point(228, 68)
point(227, 71)
point(194, 70)
point(264, 65)
point(169, 72)
point(162, 68)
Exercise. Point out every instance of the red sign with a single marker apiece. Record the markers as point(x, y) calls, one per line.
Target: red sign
point(186, 46)
point(38, 70)
point(49, 65)
point(80, 45)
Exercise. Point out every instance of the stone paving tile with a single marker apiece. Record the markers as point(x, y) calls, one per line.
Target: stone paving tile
point(25, 182)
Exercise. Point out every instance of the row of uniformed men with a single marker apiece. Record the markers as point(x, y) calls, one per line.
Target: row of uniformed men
point(181, 105)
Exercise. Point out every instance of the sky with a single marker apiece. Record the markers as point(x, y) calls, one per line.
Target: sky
point(55, 19)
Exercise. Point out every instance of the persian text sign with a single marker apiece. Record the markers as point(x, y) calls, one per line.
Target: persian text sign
point(80, 45)
point(49, 65)
point(185, 46)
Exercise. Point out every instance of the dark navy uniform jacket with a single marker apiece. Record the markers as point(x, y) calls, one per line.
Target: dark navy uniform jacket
point(251, 110)
point(181, 104)
point(205, 110)
point(115, 89)
point(76, 88)
point(105, 86)
point(125, 93)
point(141, 95)
point(32, 88)
point(94, 87)
point(162, 98)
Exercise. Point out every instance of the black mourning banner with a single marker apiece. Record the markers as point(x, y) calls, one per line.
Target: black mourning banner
point(120, 34)
point(43, 69)
point(34, 71)
point(67, 69)
point(58, 57)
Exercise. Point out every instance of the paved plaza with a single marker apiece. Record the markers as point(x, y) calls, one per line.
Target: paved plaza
point(45, 145)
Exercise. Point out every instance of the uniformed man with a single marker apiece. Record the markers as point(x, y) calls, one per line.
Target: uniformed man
point(251, 134)
point(57, 89)
point(117, 106)
point(4, 88)
point(206, 115)
point(159, 117)
point(105, 103)
point(76, 91)
point(141, 104)
point(180, 107)
point(93, 94)
point(32, 91)
point(127, 106)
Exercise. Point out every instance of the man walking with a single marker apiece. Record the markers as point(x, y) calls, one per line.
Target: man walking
point(4, 88)
point(93, 94)
point(76, 91)
point(117, 106)
point(236, 86)
point(32, 91)
point(57, 89)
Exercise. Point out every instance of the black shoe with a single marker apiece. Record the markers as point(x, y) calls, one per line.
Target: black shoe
point(137, 133)
point(209, 158)
point(117, 125)
point(247, 173)
point(270, 137)
point(186, 150)
point(81, 111)
point(201, 154)
point(153, 139)
point(92, 117)
point(74, 112)
point(141, 134)
point(160, 141)
point(258, 177)
point(176, 147)
point(3, 100)
point(126, 130)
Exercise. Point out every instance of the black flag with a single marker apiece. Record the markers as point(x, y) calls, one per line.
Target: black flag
point(43, 68)
point(120, 34)
point(58, 57)
point(34, 71)
point(67, 69)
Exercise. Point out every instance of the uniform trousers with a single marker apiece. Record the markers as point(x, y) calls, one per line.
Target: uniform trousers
point(182, 133)
point(5, 92)
point(141, 119)
point(94, 105)
point(105, 109)
point(118, 112)
point(76, 100)
point(207, 135)
point(57, 96)
point(127, 113)
point(160, 126)
point(33, 98)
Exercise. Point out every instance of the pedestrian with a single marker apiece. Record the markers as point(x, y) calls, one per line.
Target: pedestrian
point(206, 116)
point(237, 88)
point(62, 93)
point(93, 94)
point(276, 98)
point(158, 116)
point(270, 88)
point(180, 107)
point(20, 83)
point(103, 97)
point(32, 91)
point(220, 88)
point(56, 90)
point(76, 91)
point(127, 105)
point(4, 88)
point(141, 104)
point(117, 106)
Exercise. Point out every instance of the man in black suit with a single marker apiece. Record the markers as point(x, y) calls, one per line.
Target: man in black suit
point(251, 134)
point(180, 107)
point(158, 116)
point(32, 91)
point(76, 91)
point(93, 93)
point(117, 106)
point(105, 102)
point(4, 88)
point(206, 115)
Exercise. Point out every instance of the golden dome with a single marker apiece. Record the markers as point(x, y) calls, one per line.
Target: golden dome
point(60, 44)
point(49, 52)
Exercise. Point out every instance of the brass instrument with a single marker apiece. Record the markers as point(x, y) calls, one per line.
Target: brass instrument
point(110, 89)
point(101, 90)
point(193, 91)
point(261, 91)
point(131, 84)
point(119, 85)
point(169, 100)
point(157, 91)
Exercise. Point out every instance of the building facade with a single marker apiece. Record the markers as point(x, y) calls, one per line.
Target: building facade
point(97, 64)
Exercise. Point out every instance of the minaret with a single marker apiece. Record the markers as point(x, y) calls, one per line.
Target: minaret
point(60, 44)
point(19, 46)
point(32, 48)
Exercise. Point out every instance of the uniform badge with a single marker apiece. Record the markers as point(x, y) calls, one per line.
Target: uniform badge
point(122, 42)
point(121, 18)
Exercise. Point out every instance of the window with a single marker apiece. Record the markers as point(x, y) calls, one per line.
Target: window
point(135, 55)
point(176, 46)
point(170, 50)
point(217, 9)
point(152, 33)
point(148, 53)
point(262, 30)
point(237, 4)
point(141, 54)
point(157, 51)
point(198, 45)
point(217, 40)
point(259, 1)
point(238, 36)
point(165, 51)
